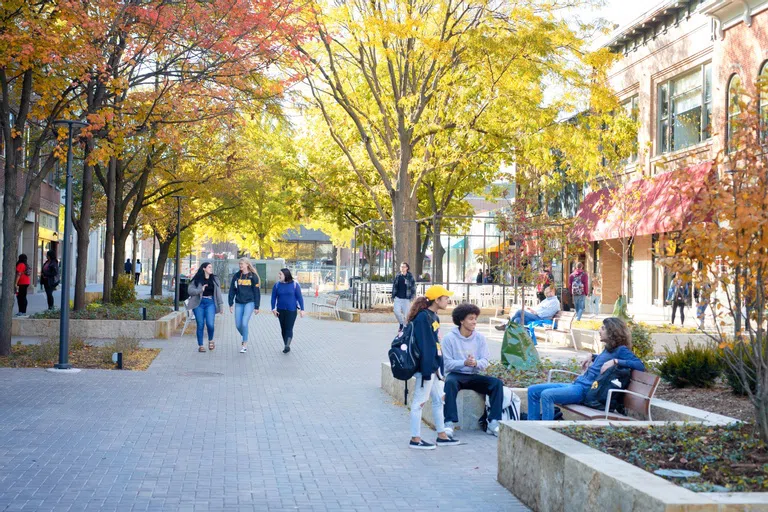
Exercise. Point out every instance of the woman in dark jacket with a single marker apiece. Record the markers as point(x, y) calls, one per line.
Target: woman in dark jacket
point(206, 301)
point(618, 352)
point(286, 303)
point(50, 276)
point(426, 325)
point(244, 298)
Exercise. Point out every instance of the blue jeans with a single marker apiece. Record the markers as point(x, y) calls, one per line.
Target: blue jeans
point(205, 315)
point(579, 301)
point(243, 314)
point(527, 317)
point(543, 397)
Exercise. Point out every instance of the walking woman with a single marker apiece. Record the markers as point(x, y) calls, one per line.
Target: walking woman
point(678, 296)
point(244, 298)
point(206, 302)
point(50, 276)
point(22, 284)
point(286, 300)
point(426, 325)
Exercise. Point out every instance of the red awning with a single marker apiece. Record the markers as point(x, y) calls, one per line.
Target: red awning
point(646, 206)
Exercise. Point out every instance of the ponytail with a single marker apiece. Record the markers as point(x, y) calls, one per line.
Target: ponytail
point(420, 304)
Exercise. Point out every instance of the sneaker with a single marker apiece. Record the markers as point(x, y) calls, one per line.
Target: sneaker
point(243, 350)
point(500, 327)
point(447, 442)
point(23, 315)
point(449, 426)
point(493, 428)
point(421, 445)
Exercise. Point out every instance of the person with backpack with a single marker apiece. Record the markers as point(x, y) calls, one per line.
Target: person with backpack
point(618, 352)
point(287, 302)
point(49, 277)
point(206, 302)
point(22, 284)
point(244, 298)
point(678, 294)
point(403, 292)
point(544, 279)
point(465, 356)
point(578, 284)
point(426, 325)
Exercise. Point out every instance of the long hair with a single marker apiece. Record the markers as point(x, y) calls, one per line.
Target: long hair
point(618, 334)
point(200, 274)
point(287, 275)
point(420, 304)
point(249, 266)
point(22, 259)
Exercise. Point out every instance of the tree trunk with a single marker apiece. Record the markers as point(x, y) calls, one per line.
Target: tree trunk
point(404, 227)
point(134, 250)
point(109, 236)
point(421, 252)
point(120, 240)
point(83, 227)
point(761, 415)
point(10, 252)
point(162, 258)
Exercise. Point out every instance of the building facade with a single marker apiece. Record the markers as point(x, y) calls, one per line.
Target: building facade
point(680, 60)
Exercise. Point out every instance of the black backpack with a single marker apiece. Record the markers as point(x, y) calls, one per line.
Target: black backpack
point(606, 381)
point(404, 356)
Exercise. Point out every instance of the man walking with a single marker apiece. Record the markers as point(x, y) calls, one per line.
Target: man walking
point(137, 271)
point(578, 283)
point(403, 292)
point(128, 266)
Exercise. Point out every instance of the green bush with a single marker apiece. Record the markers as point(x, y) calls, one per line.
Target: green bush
point(741, 352)
point(691, 366)
point(123, 292)
point(642, 342)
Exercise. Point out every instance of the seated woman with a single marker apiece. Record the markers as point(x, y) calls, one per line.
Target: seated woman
point(618, 352)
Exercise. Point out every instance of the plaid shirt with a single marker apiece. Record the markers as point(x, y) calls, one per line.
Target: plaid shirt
point(410, 286)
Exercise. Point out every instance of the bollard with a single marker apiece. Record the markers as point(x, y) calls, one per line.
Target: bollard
point(143, 313)
point(117, 358)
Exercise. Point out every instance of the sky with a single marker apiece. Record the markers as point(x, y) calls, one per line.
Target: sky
point(624, 11)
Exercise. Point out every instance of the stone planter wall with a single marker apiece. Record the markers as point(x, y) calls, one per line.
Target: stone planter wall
point(551, 472)
point(589, 340)
point(105, 329)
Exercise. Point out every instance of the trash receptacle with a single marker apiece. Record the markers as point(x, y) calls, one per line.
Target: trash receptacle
point(183, 288)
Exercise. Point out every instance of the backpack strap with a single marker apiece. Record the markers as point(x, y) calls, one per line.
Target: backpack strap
point(405, 398)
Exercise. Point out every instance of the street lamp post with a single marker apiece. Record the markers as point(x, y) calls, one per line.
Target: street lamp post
point(63, 363)
point(178, 252)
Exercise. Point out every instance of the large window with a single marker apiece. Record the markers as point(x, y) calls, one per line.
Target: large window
point(763, 85)
point(685, 110)
point(632, 109)
point(734, 110)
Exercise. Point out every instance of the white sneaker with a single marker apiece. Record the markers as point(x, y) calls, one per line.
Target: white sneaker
point(243, 350)
point(449, 426)
point(493, 428)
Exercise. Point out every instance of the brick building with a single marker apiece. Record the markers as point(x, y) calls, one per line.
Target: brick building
point(681, 60)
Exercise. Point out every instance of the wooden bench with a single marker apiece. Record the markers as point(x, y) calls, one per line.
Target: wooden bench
point(638, 396)
point(562, 323)
point(330, 305)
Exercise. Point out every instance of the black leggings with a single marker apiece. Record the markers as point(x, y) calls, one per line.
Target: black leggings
point(680, 305)
point(287, 319)
point(22, 298)
point(48, 293)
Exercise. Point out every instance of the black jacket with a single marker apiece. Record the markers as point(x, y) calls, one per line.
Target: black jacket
point(245, 289)
point(425, 327)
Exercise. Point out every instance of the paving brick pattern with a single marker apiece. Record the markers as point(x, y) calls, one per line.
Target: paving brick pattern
point(310, 430)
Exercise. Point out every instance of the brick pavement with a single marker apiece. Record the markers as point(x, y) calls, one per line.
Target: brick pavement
point(225, 431)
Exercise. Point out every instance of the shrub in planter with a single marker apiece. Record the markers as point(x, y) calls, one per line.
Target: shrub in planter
point(642, 342)
point(691, 366)
point(123, 292)
point(735, 383)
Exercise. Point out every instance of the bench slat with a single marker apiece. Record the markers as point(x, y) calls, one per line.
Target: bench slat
point(640, 382)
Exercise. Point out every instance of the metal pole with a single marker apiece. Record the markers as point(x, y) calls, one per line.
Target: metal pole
point(63, 363)
point(448, 268)
point(178, 253)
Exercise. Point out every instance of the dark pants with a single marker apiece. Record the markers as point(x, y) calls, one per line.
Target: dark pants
point(680, 305)
point(287, 319)
point(491, 386)
point(48, 292)
point(22, 298)
point(540, 296)
point(136, 281)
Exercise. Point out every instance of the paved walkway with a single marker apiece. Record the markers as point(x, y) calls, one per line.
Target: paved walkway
point(310, 430)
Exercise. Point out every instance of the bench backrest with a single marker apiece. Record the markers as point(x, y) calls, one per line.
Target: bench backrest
point(644, 384)
point(331, 300)
point(564, 320)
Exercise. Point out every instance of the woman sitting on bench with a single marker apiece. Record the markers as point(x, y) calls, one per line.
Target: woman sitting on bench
point(618, 352)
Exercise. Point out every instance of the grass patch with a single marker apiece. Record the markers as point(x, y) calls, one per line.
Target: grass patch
point(594, 325)
point(81, 355)
point(525, 378)
point(729, 458)
point(156, 309)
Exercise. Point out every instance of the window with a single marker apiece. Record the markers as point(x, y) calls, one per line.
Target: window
point(762, 84)
point(685, 110)
point(734, 110)
point(632, 109)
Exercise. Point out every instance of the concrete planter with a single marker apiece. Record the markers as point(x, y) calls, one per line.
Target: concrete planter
point(590, 340)
point(105, 329)
point(551, 472)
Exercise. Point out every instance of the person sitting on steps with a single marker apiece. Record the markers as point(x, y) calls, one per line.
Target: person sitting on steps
point(465, 355)
point(546, 310)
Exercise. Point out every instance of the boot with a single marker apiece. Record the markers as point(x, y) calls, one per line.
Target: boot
point(287, 346)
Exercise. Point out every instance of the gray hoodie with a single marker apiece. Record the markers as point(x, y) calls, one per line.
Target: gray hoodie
point(456, 349)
